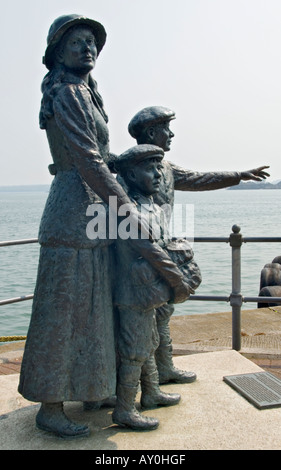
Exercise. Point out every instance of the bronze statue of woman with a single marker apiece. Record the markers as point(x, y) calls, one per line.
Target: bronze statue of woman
point(69, 353)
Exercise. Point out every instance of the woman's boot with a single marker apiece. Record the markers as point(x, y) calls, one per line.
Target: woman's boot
point(51, 418)
point(125, 413)
point(152, 395)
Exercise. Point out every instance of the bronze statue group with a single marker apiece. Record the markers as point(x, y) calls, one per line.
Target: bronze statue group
point(99, 327)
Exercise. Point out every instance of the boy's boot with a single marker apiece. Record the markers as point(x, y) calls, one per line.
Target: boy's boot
point(151, 395)
point(125, 413)
point(168, 373)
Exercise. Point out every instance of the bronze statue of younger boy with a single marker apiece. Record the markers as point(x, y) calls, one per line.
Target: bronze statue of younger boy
point(140, 287)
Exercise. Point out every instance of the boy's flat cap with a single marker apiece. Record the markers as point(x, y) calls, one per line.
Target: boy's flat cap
point(138, 154)
point(149, 116)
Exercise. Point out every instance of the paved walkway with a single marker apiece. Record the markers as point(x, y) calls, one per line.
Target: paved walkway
point(260, 340)
point(11, 357)
point(260, 335)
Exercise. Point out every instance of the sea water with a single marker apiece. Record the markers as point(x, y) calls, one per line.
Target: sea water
point(257, 212)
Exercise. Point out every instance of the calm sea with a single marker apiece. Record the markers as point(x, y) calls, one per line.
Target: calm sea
point(257, 212)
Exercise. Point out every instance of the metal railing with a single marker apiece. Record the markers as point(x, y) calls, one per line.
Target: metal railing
point(235, 298)
point(12, 243)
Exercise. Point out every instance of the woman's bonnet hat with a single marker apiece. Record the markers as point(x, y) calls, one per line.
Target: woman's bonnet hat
point(61, 25)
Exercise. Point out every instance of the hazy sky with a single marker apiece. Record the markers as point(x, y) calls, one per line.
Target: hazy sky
point(216, 63)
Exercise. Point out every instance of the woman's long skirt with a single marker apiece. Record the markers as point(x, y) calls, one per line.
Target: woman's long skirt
point(70, 352)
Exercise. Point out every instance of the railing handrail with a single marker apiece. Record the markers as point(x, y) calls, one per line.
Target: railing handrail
point(19, 242)
point(16, 299)
point(235, 298)
point(194, 239)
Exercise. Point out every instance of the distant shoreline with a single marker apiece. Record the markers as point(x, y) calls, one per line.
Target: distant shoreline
point(46, 187)
point(256, 185)
point(25, 188)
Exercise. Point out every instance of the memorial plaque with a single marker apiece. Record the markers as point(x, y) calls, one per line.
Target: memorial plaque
point(261, 388)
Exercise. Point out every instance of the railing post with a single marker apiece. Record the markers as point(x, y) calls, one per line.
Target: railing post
point(235, 241)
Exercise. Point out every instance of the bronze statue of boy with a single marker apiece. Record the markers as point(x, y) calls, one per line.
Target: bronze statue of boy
point(140, 289)
point(151, 125)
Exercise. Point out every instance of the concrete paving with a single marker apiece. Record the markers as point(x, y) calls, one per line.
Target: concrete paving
point(210, 416)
